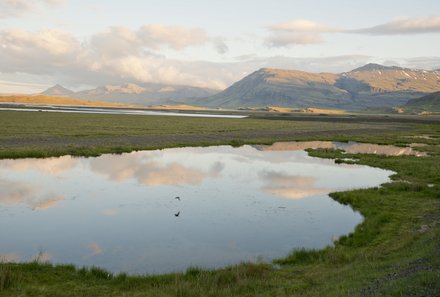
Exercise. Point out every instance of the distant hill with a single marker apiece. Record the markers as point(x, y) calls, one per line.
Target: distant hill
point(395, 79)
point(145, 94)
point(58, 90)
point(372, 85)
point(284, 88)
point(430, 103)
point(52, 100)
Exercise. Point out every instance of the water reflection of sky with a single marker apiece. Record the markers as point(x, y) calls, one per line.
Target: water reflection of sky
point(120, 211)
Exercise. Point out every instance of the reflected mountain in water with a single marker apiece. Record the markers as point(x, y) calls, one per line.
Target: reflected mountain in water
point(349, 147)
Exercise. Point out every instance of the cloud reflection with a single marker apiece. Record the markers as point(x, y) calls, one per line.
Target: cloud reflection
point(290, 186)
point(47, 203)
point(12, 193)
point(109, 212)
point(95, 249)
point(151, 172)
point(49, 166)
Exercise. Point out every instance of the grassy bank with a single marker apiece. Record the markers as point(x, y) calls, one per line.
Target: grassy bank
point(394, 252)
point(43, 134)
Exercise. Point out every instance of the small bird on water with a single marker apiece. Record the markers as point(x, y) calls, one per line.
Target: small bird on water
point(177, 214)
point(177, 197)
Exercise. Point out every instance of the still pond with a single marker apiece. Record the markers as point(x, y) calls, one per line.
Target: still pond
point(162, 211)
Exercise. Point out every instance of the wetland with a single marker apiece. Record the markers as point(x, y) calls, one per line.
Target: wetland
point(392, 251)
point(167, 210)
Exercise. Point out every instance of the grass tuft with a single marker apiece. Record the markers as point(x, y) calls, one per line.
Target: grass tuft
point(100, 273)
point(301, 256)
point(5, 276)
point(193, 272)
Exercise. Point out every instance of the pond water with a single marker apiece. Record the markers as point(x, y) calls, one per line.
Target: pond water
point(350, 147)
point(166, 210)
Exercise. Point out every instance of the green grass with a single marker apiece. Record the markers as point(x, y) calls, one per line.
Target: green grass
point(44, 134)
point(394, 252)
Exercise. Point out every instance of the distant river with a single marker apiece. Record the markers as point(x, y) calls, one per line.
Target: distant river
point(122, 111)
point(166, 210)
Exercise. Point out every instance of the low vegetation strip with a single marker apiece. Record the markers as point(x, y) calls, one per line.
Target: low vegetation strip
point(394, 252)
point(31, 134)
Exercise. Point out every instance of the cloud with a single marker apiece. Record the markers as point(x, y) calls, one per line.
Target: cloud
point(151, 170)
point(49, 166)
point(156, 35)
point(404, 26)
point(109, 212)
point(115, 42)
point(282, 40)
point(14, 8)
point(296, 26)
point(55, 2)
point(121, 41)
point(220, 46)
point(117, 54)
point(18, 8)
point(422, 62)
point(303, 32)
point(42, 52)
point(54, 42)
point(156, 174)
point(95, 249)
point(297, 32)
point(290, 186)
point(47, 203)
point(13, 193)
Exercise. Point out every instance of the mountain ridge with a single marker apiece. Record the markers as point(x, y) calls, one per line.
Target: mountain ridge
point(57, 90)
point(369, 86)
point(131, 93)
point(372, 85)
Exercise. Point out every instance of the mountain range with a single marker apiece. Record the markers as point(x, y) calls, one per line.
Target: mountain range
point(145, 93)
point(369, 86)
point(372, 85)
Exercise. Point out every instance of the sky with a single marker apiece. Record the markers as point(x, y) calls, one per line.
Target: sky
point(84, 44)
